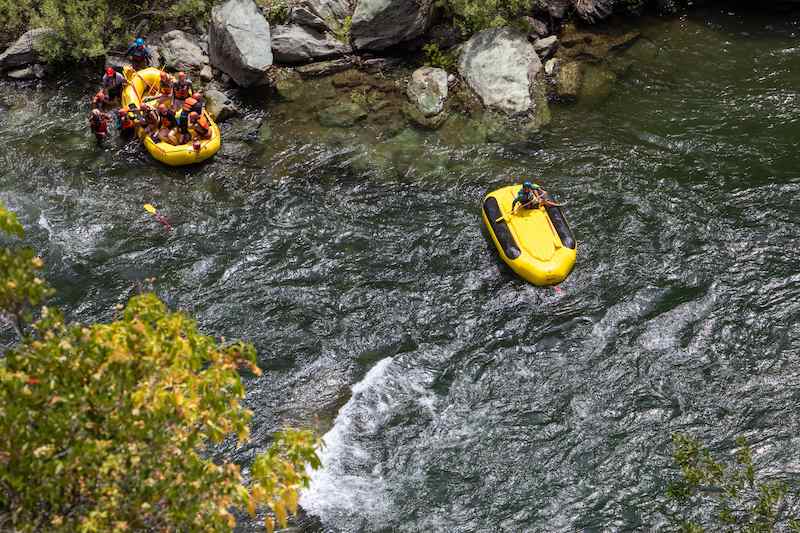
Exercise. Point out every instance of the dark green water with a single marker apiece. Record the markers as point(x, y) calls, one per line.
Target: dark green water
point(355, 261)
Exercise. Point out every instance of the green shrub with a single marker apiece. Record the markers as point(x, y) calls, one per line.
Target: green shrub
point(341, 31)
point(276, 11)
point(435, 57)
point(476, 15)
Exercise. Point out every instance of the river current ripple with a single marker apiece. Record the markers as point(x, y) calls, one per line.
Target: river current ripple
point(454, 396)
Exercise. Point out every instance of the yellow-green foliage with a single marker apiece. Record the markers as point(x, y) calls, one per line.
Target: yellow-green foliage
point(435, 57)
point(739, 501)
point(476, 15)
point(104, 427)
point(86, 29)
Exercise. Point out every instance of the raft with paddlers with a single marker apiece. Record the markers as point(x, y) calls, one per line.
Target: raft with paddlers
point(144, 87)
point(531, 234)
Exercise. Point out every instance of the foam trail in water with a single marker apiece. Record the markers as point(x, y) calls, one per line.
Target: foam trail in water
point(335, 495)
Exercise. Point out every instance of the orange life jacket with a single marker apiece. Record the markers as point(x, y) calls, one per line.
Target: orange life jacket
point(182, 89)
point(127, 122)
point(202, 126)
point(188, 104)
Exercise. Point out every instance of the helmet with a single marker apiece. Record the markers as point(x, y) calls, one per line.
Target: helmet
point(181, 75)
point(162, 108)
point(164, 76)
point(193, 116)
point(121, 112)
point(110, 71)
point(139, 41)
point(527, 185)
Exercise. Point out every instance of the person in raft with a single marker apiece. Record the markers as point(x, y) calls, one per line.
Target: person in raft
point(138, 54)
point(98, 123)
point(113, 82)
point(181, 90)
point(531, 196)
point(166, 89)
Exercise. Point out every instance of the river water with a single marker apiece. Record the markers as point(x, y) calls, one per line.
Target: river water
point(452, 395)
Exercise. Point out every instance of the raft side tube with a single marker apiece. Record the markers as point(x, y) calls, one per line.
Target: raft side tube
point(561, 226)
point(500, 229)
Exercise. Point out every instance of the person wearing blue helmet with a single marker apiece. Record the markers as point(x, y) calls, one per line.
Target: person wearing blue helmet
point(138, 54)
point(530, 196)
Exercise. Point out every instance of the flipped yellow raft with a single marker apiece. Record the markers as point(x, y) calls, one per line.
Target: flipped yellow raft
point(144, 86)
point(536, 243)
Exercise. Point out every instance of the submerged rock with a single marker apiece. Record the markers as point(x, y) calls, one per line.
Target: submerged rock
point(417, 117)
point(180, 52)
point(427, 90)
point(25, 50)
point(568, 80)
point(219, 105)
point(577, 44)
point(502, 67)
point(597, 84)
point(239, 42)
point(297, 44)
point(379, 24)
point(325, 68)
point(342, 115)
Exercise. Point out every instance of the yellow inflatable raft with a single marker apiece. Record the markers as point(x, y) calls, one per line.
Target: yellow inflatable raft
point(536, 243)
point(144, 85)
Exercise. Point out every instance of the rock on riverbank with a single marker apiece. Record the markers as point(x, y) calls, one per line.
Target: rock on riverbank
point(239, 42)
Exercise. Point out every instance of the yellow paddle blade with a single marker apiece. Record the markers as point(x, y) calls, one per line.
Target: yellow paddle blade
point(150, 209)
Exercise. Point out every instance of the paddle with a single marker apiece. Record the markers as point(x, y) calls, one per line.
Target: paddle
point(160, 218)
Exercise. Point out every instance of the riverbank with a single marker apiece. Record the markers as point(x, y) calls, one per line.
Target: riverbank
point(423, 62)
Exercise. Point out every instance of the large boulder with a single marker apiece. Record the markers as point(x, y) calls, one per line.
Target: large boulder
point(321, 14)
point(379, 24)
point(296, 44)
point(427, 90)
point(219, 105)
point(239, 42)
point(25, 50)
point(502, 67)
point(180, 52)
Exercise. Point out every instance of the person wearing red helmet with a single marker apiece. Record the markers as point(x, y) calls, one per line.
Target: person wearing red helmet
point(113, 82)
point(100, 100)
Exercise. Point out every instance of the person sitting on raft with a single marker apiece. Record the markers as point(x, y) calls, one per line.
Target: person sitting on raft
point(531, 196)
point(194, 104)
point(200, 125)
point(181, 89)
point(150, 121)
point(167, 125)
point(113, 82)
point(166, 88)
point(98, 123)
point(100, 100)
point(138, 54)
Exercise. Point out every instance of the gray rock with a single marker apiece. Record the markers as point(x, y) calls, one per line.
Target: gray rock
point(546, 46)
point(501, 66)
point(558, 8)
point(206, 74)
point(321, 14)
point(219, 105)
point(25, 50)
point(379, 24)
point(593, 10)
point(181, 52)
point(296, 44)
point(342, 115)
point(427, 90)
point(24, 73)
point(239, 42)
point(536, 27)
point(551, 66)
